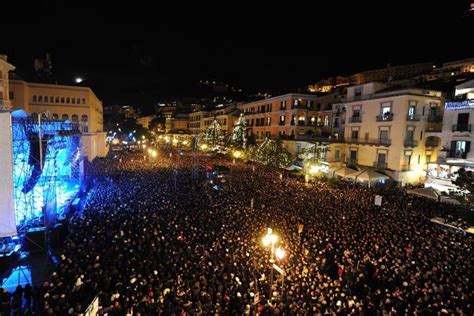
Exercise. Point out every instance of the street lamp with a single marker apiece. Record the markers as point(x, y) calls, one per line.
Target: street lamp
point(270, 239)
point(203, 146)
point(154, 154)
point(237, 154)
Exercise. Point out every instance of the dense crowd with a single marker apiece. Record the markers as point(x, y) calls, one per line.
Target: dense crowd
point(155, 239)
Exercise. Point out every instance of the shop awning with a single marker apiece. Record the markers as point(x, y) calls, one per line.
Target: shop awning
point(429, 193)
point(344, 172)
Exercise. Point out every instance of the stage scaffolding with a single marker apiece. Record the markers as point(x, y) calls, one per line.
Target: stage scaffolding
point(47, 169)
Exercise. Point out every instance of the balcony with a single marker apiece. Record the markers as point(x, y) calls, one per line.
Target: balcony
point(431, 143)
point(351, 161)
point(413, 117)
point(456, 154)
point(369, 141)
point(355, 119)
point(434, 118)
point(327, 140)
point(386, 117)
point(462, 128)
point(410, 143)
point(379, 165)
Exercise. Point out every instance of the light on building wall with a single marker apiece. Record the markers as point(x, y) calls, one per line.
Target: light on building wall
point(78, 80)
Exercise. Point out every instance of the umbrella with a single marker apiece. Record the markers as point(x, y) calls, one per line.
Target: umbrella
point(344, 172)
point(370, 175)
point(429, 193)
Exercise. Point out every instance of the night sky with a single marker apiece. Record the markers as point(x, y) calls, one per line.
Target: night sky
point(143, 52)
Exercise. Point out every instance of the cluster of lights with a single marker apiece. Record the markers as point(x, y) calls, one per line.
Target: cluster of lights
point(271, 239)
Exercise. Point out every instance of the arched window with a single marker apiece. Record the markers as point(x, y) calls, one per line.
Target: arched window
point(34, 116)
point(84, 118)
point(68, 100)
point(75, 118)
point(65, 117)
point(55, 116)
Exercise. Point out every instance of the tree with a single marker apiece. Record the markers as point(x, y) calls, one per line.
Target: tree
point(239, 134)
point(271, 153)
point(465, 182)
point(213, 135)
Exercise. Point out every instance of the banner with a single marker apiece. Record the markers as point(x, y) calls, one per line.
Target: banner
point(7, 207)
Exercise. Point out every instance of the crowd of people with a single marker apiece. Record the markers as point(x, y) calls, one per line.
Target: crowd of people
point(156, 239)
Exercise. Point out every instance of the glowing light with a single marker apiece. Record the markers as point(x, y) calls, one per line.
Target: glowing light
point(280, 253)
point(269, 239)
point(203, 146)
point(185, 142)
point(149, 150)
point(175, 141)
point(313, 169)
point(237, 154)
point(78, 80)
point(143, 146)
point(154, 154)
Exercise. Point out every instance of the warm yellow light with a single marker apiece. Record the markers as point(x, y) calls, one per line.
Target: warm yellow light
point(237, 154)
point(175, 141)
point(115, 141)
point(313, 169)
point(269, 239)
point(203, 146)
point(154, 154)
point(143, 146)
point(143, 136)
point(280, 253)
point(149, 150)
point(185, 142)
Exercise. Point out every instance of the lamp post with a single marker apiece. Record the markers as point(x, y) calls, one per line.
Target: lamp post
point(270, 239)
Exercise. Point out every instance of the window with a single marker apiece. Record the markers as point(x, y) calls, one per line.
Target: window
point(356, 112)
point(353, 155)
point(75, 118)
point(65, 117)
point(355, 134)
point(282, 119)
point(57, 99)
point(428, 158)
point(62, 99)
point(11, 95)
point(45, 99)
point(73, 100)
point(326, 120)
point(283, 105)
point(55, 116)
point(357, 93)
point(463, 122)
point(309, 104)
point(459, 149)
point(78, 101)
point(383, 135)
point(34, 98)
point(386, 110)
point(412, 110)
point(40, 98)
point(68, 100)
point(83, 101)
point(269, 121)
point(381, 158)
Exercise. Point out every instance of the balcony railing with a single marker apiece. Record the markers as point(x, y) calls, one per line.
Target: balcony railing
point(410, 143)
point(351, 161)
point(413, 117)
point(327, 140)
point(386, 117)
point(380, 165)
point(369, 141)
point(434, 118)
point(456, 154)
point(431, 143)
point(355, 119)
point(462, 128)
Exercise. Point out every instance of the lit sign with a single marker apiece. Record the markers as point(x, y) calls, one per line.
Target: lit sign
point(460, 105)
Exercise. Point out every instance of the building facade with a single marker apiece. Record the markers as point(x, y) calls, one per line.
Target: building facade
point(5, 68)
point(286, 117)
point(387, 130)
point(456, 137)
point(58, 102)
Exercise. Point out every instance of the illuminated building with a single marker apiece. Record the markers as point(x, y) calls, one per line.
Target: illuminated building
point(387, 129)
point(78, 105)
point(456, 138)
point(5, 67)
